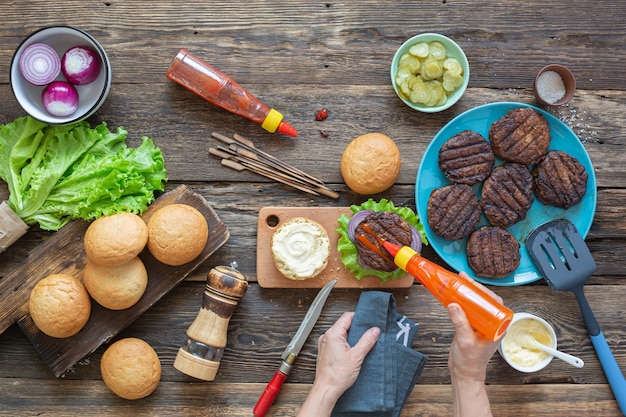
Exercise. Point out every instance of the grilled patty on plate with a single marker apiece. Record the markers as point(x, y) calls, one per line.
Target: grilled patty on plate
point(492, 252)
point(453, 211)
point(560, 180)
point(507, 194)
point(466, 158)
point(522, 136)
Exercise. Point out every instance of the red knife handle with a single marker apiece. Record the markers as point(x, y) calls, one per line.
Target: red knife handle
point(270, 394)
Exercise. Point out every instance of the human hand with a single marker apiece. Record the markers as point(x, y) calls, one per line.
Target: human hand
point(338, 366)
point(469, 352)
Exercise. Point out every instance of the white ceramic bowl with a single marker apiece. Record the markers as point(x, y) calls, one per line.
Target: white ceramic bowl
point(453, 50)
point(513, 355)
point(90, 96)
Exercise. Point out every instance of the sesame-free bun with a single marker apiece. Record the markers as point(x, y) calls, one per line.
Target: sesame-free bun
point(130, 368)
point(370, 163)
point(59, 305)
point(116, 287)
point(177, 234)
point(116, 239)
point(300, 248)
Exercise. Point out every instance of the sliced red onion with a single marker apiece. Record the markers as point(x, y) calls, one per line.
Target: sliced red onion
point(359, 216)
point(81, 65)
point(356, 220)
point(39, 64)
point(60, 98)
point(416, 240)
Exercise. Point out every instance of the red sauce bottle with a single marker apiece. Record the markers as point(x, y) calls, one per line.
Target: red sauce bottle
point(221, 90)
point(486, 315)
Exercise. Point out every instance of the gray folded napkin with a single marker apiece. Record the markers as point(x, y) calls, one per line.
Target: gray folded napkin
point(391, 369)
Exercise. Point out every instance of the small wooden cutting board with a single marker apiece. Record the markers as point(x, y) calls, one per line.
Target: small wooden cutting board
point(63, 252)
point(268, 275)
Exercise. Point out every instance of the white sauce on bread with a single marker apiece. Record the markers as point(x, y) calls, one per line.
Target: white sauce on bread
point(300, 248)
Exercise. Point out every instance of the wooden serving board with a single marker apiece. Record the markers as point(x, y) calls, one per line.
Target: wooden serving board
point(63, 252)
point(268, 275)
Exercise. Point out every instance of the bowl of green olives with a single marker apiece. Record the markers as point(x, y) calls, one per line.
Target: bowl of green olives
point(430, 72)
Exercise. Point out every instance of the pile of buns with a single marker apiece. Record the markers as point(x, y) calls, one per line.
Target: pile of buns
point(116, 278)
point(114, 275)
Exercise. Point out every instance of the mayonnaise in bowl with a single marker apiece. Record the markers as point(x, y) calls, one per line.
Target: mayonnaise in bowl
point(516, 348)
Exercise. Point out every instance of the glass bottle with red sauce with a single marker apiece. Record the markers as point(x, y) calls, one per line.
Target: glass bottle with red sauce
point(221, 90)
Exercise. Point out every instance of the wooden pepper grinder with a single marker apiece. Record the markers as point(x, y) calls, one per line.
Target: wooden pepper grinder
point(206, 337)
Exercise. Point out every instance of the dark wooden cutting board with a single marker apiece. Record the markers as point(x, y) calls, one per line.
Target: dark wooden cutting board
point(268, 275)
point(63, 252)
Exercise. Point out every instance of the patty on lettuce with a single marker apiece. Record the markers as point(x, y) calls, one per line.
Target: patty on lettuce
point(348, 249)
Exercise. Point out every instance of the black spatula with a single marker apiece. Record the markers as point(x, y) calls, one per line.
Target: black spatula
point(565, 262)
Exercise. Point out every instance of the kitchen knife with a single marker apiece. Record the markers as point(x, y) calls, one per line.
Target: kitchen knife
point(292, 351)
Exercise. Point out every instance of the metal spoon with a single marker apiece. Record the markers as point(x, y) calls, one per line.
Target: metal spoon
point(528, 341)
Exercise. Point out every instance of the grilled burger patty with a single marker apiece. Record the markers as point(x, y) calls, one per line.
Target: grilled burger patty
point(466, 158)
point(507, 194)
point(560, 180)
point(492, 252)
point(390, 227)
point(453, 211)
point(522, 136)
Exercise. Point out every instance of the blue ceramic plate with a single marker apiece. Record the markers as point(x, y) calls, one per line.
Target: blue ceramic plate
point(429, 177)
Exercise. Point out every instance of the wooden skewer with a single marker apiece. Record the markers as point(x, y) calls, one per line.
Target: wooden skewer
point(242, 154)
point(247, 142)
point(259, 168)
point(240, 141)
point(254, 157)
point(240, 167)
point(267, 156)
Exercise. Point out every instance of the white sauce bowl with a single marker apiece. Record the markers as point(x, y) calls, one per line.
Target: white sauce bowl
point(516, 355)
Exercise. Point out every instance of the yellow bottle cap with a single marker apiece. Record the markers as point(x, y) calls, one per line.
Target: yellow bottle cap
point(403, 256)
point(272, 121)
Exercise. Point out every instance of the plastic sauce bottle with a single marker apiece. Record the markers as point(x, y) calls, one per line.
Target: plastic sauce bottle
point(221, 90)
point(486, 315)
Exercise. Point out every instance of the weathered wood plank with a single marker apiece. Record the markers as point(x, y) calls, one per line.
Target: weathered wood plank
point(299, 56)
point(340, 37)
point(238, 400)
point(253, 351)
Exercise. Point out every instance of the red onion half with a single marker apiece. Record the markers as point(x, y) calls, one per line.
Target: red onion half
point(356, 220)
point(81, 65)
point(60, 98)
point(359, 216)
point(39, 64)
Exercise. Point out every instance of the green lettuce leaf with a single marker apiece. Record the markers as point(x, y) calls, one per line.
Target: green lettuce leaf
point(56, 174)
point(348, 250)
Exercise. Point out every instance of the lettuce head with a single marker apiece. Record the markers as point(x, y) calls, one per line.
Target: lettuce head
point(56, 174)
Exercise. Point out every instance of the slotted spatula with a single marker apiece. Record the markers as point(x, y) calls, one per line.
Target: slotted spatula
point(564, 260)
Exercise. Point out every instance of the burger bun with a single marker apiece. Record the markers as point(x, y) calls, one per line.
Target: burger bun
point(115, 239)
point(177, 234)
point(59, 305)
point(131, 368)
point(116, 287)
point(371, 163)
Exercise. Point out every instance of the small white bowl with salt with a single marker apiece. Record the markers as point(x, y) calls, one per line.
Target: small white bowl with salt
point(554, 85)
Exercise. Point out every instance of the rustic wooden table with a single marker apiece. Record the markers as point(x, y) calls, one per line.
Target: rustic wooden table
point(300, 56)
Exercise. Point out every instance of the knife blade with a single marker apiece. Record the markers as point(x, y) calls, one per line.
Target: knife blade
point(292, 350)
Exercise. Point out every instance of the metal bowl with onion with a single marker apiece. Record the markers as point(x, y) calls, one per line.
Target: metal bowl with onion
point(50, 84)
point(452, 50)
